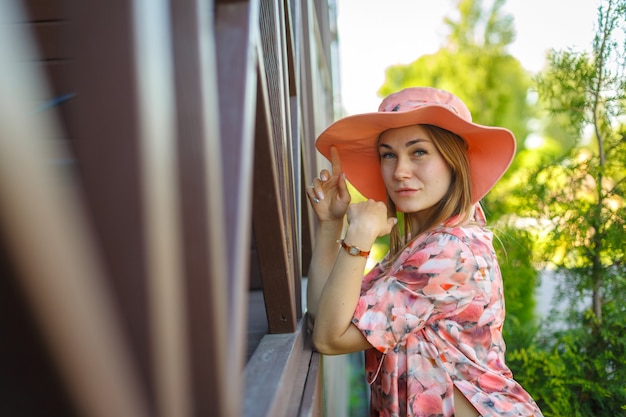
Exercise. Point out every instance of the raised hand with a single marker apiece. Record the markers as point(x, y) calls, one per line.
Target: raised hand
point(329, 194)
point(369, 220)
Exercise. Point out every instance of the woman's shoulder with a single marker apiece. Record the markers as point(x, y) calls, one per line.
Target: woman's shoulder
point(470, 238)
point(467, 232)
point(462, 234)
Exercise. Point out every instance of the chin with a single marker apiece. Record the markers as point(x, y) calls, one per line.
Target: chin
point(409, 208)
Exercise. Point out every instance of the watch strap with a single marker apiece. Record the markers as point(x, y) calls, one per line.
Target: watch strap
point(353, 250)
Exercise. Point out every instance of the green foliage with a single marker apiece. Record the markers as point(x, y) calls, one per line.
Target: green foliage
point(543, 374)
point(576, 372)
point(495, 90)
point(358, 402)
point(566, 195)
point(580, 194)
point(474, 65)
point(487, 29)
point(520, 279)
point(577, 365)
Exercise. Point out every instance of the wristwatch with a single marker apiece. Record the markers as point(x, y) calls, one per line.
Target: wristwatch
point(353, 250)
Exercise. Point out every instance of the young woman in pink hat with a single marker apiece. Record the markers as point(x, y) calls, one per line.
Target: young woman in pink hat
point(429, 316)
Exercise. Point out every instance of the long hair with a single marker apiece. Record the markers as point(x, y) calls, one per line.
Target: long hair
point(456, 202)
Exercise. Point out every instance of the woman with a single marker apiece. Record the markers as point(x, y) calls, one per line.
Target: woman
point(430, 315)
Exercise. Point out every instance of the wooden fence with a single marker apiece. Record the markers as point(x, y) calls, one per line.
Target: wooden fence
point(153, 225)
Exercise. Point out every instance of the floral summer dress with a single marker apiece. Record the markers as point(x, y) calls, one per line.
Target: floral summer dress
point(435, 319)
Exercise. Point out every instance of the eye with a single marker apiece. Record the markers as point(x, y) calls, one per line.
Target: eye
point(387, 155)
point(419, 152)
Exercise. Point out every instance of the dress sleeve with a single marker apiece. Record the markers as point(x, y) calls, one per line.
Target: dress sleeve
point(433, 282)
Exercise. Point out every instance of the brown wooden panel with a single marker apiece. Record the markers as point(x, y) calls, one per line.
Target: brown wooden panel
point(236, 36)
point(255, 281)
point(199, 161)
point(105, 125)
point(60, 83)
point(293, 152)
point(158, 176)
point(291, 49)
point(286, 150)
point(54, 258)
point(52, 40)
point(62, 91)
point(45, 10)
point(307, 127)
point(268, 220)
point(299, 241)
point(307, 108)
point(307, 224)
point(31, 383)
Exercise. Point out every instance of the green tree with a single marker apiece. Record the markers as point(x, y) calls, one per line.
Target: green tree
point(582, 193)
point(578, 201)
point(475, 66)
point(514, 248)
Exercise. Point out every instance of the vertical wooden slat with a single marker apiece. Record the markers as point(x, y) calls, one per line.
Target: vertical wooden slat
point(268, 220)
point(297, 91)
point(291, 12)
point(44, 10)
point(31, 381)
point(306, 221)
point(105, 125)
point(51, 38)
point(307, 93)
point(293, 118)
point(199, 165)
point(280, 264)
point(48, 22)
point(291, 153)
point(129, 156)
point(307, 111)
point(153, 59)
point(236, 37)
point(43, 227)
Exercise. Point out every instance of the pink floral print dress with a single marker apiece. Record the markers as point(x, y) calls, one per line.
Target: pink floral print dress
point(435, 320)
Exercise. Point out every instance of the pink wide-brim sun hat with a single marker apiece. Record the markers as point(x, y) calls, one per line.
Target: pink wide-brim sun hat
point(490, 149)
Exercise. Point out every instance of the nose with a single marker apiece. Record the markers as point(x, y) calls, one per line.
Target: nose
point(402, 170)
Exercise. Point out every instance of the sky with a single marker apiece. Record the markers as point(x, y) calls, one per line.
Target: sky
point(375, 34)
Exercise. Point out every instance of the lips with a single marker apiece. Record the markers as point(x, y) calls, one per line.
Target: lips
point(406, 191)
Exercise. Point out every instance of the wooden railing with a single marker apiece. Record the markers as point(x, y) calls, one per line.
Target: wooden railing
point(183, 136)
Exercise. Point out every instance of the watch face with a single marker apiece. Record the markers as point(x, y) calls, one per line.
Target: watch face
point(354, 251)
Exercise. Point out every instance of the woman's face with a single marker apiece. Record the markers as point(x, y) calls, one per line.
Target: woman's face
point(414, 172)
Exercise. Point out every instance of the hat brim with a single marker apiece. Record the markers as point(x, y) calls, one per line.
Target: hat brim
point(490, 149)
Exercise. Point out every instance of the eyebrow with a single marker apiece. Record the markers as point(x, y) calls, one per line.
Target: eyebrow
point(406, 145)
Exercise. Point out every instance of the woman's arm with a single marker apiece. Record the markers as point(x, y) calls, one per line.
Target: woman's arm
point(322, 260)
point(329, 199)
point(334, 279)
point(334, 332)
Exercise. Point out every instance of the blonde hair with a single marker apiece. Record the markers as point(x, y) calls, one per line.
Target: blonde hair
point(456, 202)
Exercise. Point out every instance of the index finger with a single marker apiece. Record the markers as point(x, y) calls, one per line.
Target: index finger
point(335, 161)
